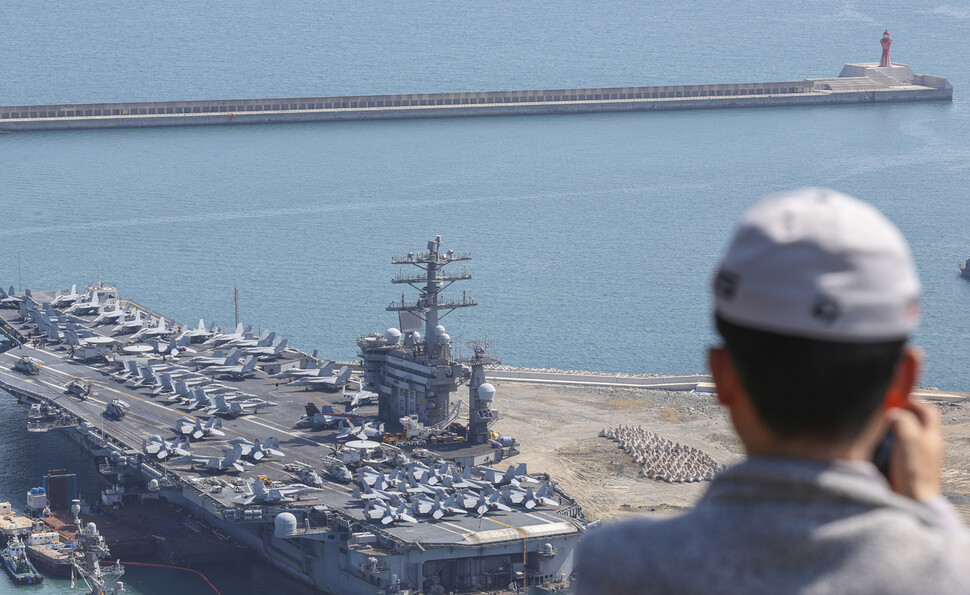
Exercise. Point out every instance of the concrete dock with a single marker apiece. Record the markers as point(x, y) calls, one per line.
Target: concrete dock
point(857, 83)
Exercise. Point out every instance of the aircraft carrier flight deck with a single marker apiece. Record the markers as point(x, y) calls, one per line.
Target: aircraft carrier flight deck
point(291, 454)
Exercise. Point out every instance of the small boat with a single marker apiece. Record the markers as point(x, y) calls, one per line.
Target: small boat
point(965, 269)
point(48, 552)
point(18, 565)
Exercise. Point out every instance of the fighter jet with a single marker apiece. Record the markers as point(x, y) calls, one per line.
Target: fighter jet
point(307, 368)
point(321, 418)
point(348, 431)
point(246, 368)
point(200, 334)
point(195, 429)
point(220, 338)
point(381, 510)
point(514, 475)
point(268, 352)
point(230, 461)
point(159, 329)
point(529, 498)
point(86, 304)
point(161, 450)
point(9, 300)
point(126, 325)
point(259, 492)
point(494, 502)
point(64, 300)
point(363, 397)
point(447, 508)
point(255, 450)
point(219, 358)
point(331, 383)
point(236, 408)
point(108, 316)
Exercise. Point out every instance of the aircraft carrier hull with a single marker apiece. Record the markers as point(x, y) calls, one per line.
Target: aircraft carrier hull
point(326, 539)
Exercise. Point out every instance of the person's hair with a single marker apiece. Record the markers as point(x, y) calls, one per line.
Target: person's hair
point(811, 387)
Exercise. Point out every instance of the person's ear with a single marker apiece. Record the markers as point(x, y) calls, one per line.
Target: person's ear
point(904, 379)
point(724, 375)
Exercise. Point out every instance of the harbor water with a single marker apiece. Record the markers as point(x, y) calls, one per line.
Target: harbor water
point(594, 236)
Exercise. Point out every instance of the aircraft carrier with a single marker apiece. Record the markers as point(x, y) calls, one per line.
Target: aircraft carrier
point(303, 476)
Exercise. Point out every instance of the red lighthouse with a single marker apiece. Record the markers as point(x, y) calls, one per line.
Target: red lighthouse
point(886, 42)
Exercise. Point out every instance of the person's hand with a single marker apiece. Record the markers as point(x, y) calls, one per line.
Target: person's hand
point(916, 461)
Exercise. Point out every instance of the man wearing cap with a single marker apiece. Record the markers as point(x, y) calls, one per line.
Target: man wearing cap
point(814, 300)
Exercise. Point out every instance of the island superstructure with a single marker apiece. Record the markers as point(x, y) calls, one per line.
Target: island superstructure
point(346, 516)
point(417, 376)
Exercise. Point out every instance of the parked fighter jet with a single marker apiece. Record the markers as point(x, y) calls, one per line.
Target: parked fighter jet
point(157, 330)
point(268, 352)
point(200, 334)
point(112, 315)
point(64, 300)
point(321, 418)
point(161, 450)
point(195, 429)
point(529, 498)
point(230, 461)
point(9, 300)
point(219, 358)
point(220, 338)
point(255, 450)
point(89, 303)
point(513, 475)
point(236, 408)
point(348, 431)
point(258, 492)
point(447, 508)
point(331, 383)
point(127, 325)
point(381, 510)
point(264, 340)
point(306, 369)
point(246, 368)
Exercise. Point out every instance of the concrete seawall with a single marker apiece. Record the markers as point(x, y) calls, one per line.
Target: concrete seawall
point(858, 83)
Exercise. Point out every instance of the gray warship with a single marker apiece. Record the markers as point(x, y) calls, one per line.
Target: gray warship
point(398, 485)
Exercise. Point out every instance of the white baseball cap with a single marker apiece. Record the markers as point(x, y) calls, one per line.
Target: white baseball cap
point(819, 264)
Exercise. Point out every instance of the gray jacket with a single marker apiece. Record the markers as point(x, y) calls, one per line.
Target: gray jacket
point(785, 526)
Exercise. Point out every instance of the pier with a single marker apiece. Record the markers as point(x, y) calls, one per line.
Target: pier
point(857, 83)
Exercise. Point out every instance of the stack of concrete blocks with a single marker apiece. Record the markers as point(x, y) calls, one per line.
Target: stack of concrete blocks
point(663, 459)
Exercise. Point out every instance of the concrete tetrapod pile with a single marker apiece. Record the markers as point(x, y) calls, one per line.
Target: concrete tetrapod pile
point(664, 459)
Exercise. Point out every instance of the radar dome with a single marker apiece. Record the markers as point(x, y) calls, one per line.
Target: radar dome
point(153, 485)
point(416, 336)
point(393, 336)
point(444, 339)
point(92, 528)
point(285, 524)
point(486, 392)
point(439, 330)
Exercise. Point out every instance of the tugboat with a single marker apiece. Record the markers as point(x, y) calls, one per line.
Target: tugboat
point(18, 566)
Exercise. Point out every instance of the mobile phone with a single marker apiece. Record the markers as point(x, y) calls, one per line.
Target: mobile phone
point(880, 458)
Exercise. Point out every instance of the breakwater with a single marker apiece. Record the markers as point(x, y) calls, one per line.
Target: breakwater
point(857, 83)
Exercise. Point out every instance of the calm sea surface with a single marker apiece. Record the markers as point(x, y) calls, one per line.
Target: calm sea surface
point(594, 236)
